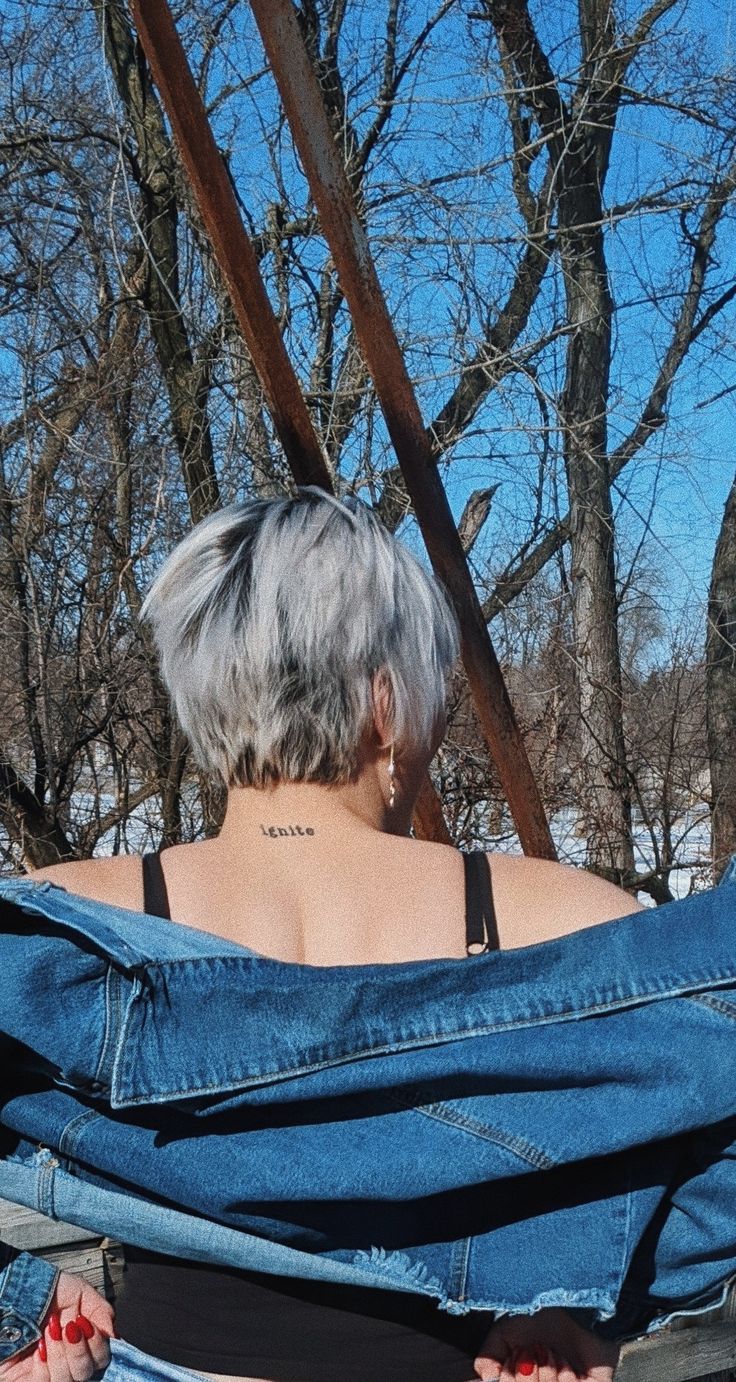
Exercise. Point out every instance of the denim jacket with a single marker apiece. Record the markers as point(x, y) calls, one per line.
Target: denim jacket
point(552, 1125)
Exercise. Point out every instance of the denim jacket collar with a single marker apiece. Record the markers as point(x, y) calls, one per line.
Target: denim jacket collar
point(297, 1020)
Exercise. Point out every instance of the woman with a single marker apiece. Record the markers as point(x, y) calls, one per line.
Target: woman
point(307, 654)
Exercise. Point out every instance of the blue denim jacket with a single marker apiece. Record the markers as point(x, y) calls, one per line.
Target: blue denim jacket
point(552, 1125)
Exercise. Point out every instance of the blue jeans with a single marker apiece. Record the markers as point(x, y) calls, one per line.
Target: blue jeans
point(127, 1363)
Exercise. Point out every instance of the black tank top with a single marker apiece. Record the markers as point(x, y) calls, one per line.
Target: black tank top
point(220, 1319)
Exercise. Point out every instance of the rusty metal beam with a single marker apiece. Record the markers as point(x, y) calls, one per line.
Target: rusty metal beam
point(238, 264)
point(232, 248)
point(341, 226)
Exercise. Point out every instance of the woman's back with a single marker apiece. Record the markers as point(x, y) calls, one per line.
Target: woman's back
point(341, 894)
point(337, 899)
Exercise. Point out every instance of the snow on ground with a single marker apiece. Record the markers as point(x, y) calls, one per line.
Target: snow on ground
point(140, 832)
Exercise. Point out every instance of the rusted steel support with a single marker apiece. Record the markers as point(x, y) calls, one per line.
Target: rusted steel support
point(239, 267)
point(232, 248)
point(305, 111)
point(429, 820)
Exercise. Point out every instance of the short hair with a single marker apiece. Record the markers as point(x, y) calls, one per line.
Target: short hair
point(270, 618)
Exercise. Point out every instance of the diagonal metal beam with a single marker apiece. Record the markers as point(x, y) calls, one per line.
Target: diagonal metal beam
point(341, 226)
point(215, 198)
point(231, 245)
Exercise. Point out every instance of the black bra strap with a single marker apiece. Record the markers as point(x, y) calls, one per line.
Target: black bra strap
point(480, 913)
point(155, 896)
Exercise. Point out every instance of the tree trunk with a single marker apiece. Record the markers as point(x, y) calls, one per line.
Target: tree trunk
point(721, 690)
point(186, 379)
point(578, 133)
point(603, 782)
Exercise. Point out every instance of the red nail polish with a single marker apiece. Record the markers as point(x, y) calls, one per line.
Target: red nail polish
point(41, 1350)
point(73, 1333)
point(54, 1328)
point(525, 1365)
point(86, 1326)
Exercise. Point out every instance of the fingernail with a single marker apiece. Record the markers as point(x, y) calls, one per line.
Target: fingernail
point(41, 1350)
point(54, 1328)
point(86, 1326)
point(73, 1333)
point(525, 1365)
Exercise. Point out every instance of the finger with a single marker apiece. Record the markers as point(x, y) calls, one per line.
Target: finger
point(488, 1369)
point(97, 1342)
point(570, 1370)
point(39, 1366)
point(30, 1365)
point(547, 1364)
point(607, 1358)
point(57, 1364)
point(507, 1373)
point(566, 1371)
point(98, 1311)
point(78, 1357)
point(524, 1363)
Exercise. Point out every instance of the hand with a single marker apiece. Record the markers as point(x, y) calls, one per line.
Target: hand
point(547, 1347)
point(65, 1354)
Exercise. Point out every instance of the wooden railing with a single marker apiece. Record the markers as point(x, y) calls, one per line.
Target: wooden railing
point(703, 1346)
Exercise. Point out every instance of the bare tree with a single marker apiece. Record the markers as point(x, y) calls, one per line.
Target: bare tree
point(721, 688)
point(506, 211)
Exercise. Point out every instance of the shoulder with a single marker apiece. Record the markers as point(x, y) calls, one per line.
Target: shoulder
point(116, 880)
point(540, 899)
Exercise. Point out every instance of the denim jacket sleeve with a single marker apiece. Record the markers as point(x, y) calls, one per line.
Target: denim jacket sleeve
point(704, 1196)
point(698, 1212)
point(27, 1284)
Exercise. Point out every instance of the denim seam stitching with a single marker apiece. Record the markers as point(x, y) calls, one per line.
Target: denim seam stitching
point(628, 1221)
point(72, 1132)
point(721, 1005)
point(111, 1008)
point(45, 1188)
point(459, 1270)
point(414, 1099)
point(518, 1146)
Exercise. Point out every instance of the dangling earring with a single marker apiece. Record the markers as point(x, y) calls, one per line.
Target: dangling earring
point(391, 779)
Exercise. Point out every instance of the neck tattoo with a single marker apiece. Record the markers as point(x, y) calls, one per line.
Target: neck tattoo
point(275, 832)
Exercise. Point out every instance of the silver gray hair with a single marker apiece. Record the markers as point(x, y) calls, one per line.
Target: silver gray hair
point(271, 617)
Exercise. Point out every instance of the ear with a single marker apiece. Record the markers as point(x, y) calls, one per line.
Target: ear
point(383, 707)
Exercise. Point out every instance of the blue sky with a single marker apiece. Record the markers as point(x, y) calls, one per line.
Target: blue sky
point(678, 486)
point(451, 116)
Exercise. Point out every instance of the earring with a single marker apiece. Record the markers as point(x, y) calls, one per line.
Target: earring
point(391, 779)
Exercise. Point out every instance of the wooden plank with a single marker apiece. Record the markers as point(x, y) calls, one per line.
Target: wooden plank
point(679, 1355)
point(728, 1315)
point(87, 1261)
point(29, 1231)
